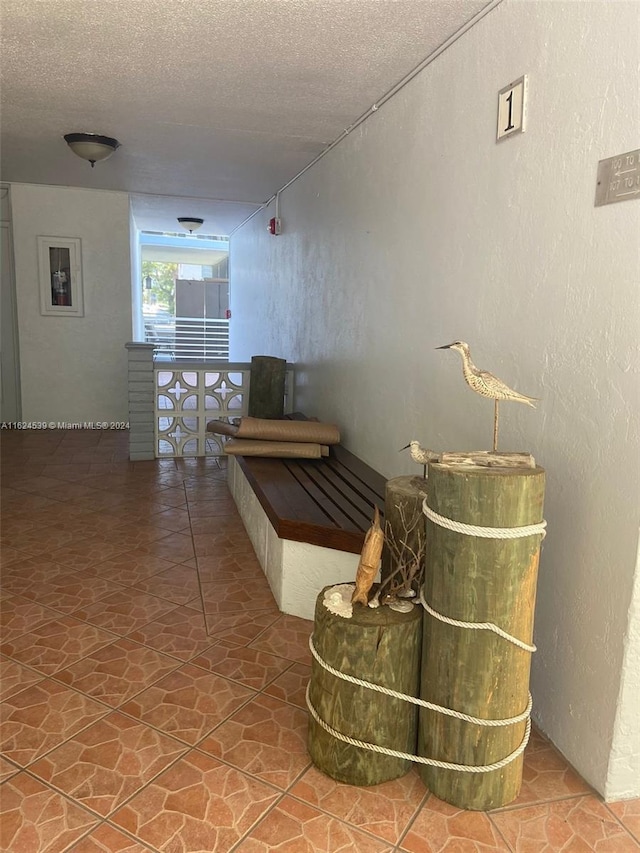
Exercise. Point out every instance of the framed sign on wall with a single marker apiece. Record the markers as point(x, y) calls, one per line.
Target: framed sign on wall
point(60, 265)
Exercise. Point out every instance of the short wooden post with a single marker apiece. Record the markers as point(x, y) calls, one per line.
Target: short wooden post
point(403, 554)
point(266, 387)
point(477, 672)
point(376, 645)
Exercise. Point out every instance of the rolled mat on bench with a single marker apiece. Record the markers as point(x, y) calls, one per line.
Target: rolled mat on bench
point(297, 431)
point(276, 449)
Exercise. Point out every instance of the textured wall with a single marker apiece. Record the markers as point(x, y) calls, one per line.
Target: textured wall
point(74, 369)
point(419, 229)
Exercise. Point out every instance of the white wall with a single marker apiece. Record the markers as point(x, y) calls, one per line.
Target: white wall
point(419, 229)
point(74, 369)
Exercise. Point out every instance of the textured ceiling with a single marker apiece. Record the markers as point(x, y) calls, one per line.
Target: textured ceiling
point(214, 100)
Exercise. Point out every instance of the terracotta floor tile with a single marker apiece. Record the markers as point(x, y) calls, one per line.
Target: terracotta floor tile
point(36, 485)
point(197, 805)
point(115, 673)
point(133, 534)
point(288, 637)
point(177, 548)
point(180, 632)
point(291, 686)
point(83, 554)
point(14, 526)
point(628, 813)
point(442, 828)
point(42, 717)
point(204, 524)
point(67, 491)
point(7, 770)
point(293, 827)
point(56, 644)
point(67, 593)
point(188, 703)
point(250, 667)
point(206, 509)
point(100, 501)
point(21, 577)
point(228, 595)
point(266, 738)
point(178, 584)
point(36, 819)
point(126, 611)
point(108, 839)
point(68, 473)
point(45, 541)
point(578, 824)
point(9, 555)
point(172, 496)
point(240, 628)
point(242, 566)
point(172, 520)
point(130, 567)
point(15, 677)
point(91, 523)
point(227, 543)
point(20, 615)
point(108, 762)
point(382, 810)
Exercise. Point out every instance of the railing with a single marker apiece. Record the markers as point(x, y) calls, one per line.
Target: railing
point(188, 395)
point(188, 338)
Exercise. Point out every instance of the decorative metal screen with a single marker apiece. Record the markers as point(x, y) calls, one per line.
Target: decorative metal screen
point(188, 396)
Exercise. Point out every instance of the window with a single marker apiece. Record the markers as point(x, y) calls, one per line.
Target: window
point(185, 296)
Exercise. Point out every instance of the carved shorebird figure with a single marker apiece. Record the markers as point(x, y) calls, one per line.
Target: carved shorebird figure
point(421, 455)
point(487, 385)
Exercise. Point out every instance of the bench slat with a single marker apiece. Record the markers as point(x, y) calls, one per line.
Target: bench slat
point(367, 493)
point(367, 475)
point(340, 492)
point(313, 479)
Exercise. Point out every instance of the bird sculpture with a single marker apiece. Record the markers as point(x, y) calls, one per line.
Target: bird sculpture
point(421, 455)
point(487, 385)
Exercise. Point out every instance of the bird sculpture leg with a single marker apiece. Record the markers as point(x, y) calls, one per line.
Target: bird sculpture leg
point(495, 425)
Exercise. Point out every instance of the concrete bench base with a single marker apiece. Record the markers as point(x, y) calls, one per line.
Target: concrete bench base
point(296, 571)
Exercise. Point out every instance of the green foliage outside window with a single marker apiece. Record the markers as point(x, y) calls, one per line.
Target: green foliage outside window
point(162, 293)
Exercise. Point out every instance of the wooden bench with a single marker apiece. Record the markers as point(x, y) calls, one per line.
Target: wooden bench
point(307, 519)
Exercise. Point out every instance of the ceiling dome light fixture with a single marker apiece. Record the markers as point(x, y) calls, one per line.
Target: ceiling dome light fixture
point(190, 223)
point(91, 146)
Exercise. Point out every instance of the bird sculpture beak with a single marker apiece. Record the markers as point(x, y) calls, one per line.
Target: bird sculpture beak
point(447, 346)
point(406, 447)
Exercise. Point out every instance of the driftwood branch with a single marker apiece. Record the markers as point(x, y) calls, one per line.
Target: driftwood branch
point(407, 548)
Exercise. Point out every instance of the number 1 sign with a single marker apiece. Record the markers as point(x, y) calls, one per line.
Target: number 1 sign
point(511, 108)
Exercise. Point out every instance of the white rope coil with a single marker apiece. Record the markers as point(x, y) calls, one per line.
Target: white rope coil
point(420, 759)
point(477, 721)
point(477, 626)
point(484, 532)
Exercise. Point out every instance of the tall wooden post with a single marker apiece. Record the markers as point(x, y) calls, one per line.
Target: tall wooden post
point(477, 672)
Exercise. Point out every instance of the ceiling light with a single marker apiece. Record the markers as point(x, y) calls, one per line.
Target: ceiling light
point(190, 223)
point(91, 146)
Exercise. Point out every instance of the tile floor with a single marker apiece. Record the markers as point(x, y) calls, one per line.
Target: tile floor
point(128, 726)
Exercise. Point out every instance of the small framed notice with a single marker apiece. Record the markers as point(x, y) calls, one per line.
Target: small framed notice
point(512, 102)
point(60, 266)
